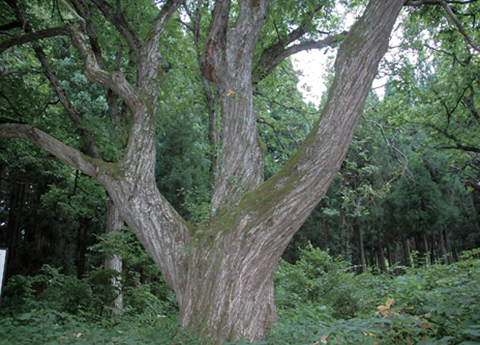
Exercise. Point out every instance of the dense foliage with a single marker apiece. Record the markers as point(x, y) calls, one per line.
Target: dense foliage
point(320, 300)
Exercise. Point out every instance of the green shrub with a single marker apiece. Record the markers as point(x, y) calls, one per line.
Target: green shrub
point(316, 279)
point(437, 304)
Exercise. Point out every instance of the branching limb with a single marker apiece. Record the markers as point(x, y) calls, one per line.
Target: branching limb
point(63, 152)
point(463, 64)
point(301, 113)
point(458, 145)
point(276, 53)
point(148, 67)
point(450, 14)
point(34, 36)
point(457, 23)
point(296, 141)
point(394, 150)
point(79, 18)
point(112, 98)
point(93, 71)
point(89, 142)
point(470, 103)
point(262, 120)
point(215, 40)
point(273, 56)
point(14, 109)
point(120, 23)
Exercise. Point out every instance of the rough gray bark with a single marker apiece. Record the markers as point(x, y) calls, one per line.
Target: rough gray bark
point(222, 274)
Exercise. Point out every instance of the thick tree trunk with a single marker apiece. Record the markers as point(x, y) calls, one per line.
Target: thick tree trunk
point(230, 270)
point(229, 290)
point(222, 273)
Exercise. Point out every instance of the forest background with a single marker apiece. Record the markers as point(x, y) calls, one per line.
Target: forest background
point(407, 194)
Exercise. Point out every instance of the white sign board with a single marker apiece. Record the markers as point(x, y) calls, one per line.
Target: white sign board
point(3, 263)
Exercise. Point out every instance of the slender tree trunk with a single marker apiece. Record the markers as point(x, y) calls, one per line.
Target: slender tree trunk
point(18, 198)
point(420, 244)
point(343, 236)
point(343, 221)
point(389, 251)
point(473, 218)
point(426, 253)
point(447, 245)
point(325, 230)
point(405, 252)
point(434, 252)
point(305, 232)
point(381, 255)
point(362, 249)
point(81, 250)
point(114, 224)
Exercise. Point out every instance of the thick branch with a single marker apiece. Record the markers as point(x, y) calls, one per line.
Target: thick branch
point(162, 18)
point(81, 21)
point(215, 41)
point(112, 98)
point(469, 102)
point(34, 36)
point(89, 142)
point(450, 14)
point(242, 154)
point(458, 144)
point(93, 71)
point(150, 58)
point(63, 152)
point(10, 26)
point(276, 53)
point(119, 21)
point(273, 56)
point(290, 195)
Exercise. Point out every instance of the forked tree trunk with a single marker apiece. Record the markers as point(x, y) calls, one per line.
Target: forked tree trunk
point(222, 273)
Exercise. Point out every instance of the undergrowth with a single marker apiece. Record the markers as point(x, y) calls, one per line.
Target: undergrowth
point(319, 301)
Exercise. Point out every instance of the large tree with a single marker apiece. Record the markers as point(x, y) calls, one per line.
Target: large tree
point(222, 271)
